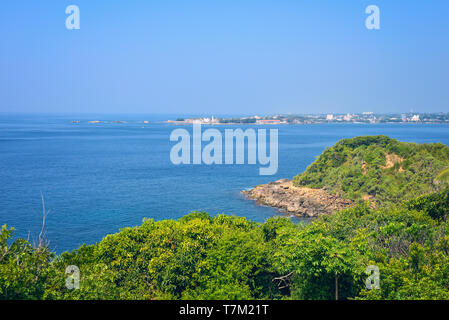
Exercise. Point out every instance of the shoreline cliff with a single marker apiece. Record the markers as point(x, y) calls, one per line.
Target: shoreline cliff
point(300, 201)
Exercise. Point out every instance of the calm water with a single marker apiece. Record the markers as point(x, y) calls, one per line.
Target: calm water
point(98, 178)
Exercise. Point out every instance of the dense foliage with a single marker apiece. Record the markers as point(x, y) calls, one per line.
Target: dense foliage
point(443, 176)
point(24, 270)
point(228, 257)
point(379, 169)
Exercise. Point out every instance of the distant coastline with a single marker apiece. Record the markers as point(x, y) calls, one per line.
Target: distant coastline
point(280, 119)
point(357, 118)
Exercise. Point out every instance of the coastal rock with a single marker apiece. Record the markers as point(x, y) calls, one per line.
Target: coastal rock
point(301, 201)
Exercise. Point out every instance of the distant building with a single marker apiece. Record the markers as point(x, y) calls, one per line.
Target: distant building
point(415, 118)
point(347, 117)
point(269, 122)
point(330, 117)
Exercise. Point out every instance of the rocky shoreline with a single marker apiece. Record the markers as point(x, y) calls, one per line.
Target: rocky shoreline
point(300, 201)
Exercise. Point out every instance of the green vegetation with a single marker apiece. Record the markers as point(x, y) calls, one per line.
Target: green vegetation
point(379, 169)
point(238, 120)
point(24, 270)
point(227, 257)
point(443, 176)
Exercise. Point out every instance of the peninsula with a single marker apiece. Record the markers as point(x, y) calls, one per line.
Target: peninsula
point(374, 169)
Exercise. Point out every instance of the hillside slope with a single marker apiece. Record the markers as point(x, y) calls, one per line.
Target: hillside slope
point(378, 169)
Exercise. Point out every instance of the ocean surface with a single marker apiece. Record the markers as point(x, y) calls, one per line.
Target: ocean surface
point(98, 178)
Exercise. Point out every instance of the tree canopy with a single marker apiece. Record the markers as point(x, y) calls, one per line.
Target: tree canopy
point(228, 257)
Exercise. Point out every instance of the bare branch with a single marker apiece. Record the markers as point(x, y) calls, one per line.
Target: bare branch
point(284, 281)
point(41, 239)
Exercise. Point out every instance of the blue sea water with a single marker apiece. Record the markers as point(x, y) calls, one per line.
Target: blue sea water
point(98, 178)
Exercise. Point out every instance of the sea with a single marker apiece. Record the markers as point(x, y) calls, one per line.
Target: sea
point(96, 178)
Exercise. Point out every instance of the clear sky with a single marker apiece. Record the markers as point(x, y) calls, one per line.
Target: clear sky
point(224, 57)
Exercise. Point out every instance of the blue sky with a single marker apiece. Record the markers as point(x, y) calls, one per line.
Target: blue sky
point(224, 57)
